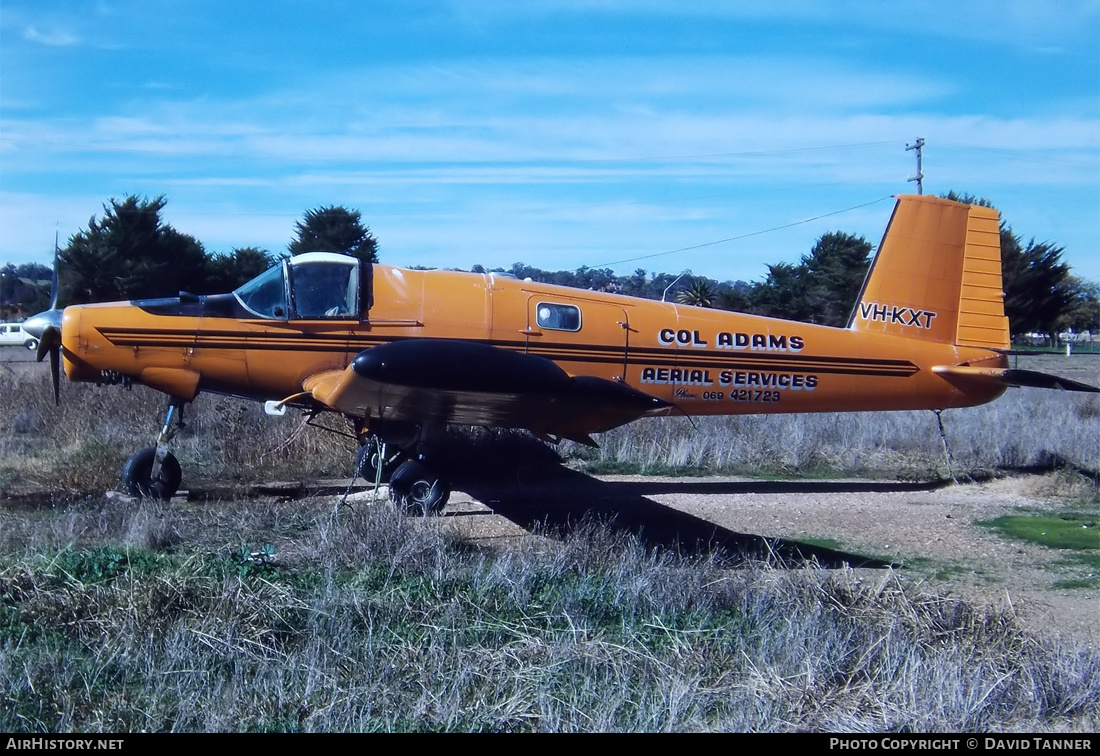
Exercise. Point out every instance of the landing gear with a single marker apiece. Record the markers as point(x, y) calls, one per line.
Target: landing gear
point(418, 490)
point(372, 452)
point(414, 487)
point(142, 482)
point(153, 472)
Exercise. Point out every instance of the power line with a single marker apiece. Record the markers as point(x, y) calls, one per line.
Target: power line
point(1023, 155)
point(743, 236)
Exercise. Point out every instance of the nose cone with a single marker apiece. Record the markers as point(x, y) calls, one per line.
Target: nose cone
point(36, 325)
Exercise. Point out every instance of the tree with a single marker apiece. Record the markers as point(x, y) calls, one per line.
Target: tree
point(735, 296)
point(24, 289)
point(130, 254)
point(783, 294)
point(836, 266)
point(1084, 310)
point(335, 229)
point(227, 272)
point(822, 288)
point(1038, 290)
point(699, 293)
point(635, 285)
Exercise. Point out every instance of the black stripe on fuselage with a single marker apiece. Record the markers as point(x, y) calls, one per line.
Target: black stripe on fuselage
point(558, 352)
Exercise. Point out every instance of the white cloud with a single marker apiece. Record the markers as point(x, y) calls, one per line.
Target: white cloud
point(51, 38)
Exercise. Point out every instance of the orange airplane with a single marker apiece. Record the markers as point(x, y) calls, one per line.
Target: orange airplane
point(402, 353)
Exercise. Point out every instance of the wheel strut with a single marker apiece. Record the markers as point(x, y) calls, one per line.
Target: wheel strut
point(153, 472)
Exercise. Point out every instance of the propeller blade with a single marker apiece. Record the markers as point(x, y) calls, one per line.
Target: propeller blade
point(46, 327)
point(55, 373)
point(49, 340)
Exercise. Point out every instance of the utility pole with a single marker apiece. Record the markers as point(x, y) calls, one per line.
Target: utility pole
point(919, 178)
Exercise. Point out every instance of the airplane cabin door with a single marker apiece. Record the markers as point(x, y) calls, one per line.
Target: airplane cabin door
point(584, 337)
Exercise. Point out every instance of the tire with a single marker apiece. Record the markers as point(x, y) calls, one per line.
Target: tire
point(417, 490)
point(31, 344)
point(137, 475)
point(366, 462)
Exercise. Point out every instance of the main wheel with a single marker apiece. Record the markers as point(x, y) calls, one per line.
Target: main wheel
point(417, 490)
point(367, 460)
point(137, 475)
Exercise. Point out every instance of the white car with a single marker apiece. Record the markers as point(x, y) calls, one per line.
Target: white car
point(12, 334)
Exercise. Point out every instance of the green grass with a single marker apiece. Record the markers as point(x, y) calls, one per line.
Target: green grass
point(104, 563)
point(1075, 532)
point(1086, 569)
point(1088, 559)
point(1069, 530)
point(825, 543)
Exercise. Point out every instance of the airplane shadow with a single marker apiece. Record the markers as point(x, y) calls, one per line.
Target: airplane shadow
point(544, 496)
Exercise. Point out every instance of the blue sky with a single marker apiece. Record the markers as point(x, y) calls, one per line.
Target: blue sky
point(712, 136)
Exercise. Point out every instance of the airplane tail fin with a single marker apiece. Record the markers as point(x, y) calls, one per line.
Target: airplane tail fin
point(937, 276)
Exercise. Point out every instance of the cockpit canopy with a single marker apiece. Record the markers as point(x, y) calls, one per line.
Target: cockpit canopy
point(314, 285)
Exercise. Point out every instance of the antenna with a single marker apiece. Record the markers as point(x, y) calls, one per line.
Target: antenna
point(919, 178)
point(663, 293)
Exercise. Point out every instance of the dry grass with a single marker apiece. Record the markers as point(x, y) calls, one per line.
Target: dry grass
point(239, 616)
point(1025, 429)
point(79, 447)
point(377, 622)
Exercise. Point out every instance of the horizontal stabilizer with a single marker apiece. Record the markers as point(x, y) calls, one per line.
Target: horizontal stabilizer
point(1011, 377)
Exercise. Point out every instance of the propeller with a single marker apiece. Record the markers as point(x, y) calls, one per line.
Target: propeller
point(46, 327)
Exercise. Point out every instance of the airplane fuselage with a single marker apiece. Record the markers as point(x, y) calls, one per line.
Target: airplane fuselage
point(403, 353)
point(703, 361)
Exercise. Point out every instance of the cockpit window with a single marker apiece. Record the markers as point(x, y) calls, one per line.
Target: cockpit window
point(325, 289)
point(558, 317)
point(265, 295)
point(312, 285)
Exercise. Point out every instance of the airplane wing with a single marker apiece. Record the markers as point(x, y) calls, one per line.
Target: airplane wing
point(1011, 377)
point(469, 383)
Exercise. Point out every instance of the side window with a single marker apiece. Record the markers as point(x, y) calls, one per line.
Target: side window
point(265, 295)
point(558, 317)
point(324, 290)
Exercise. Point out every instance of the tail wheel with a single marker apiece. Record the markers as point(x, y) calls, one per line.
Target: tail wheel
point(137, 475)
point(418, 490)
